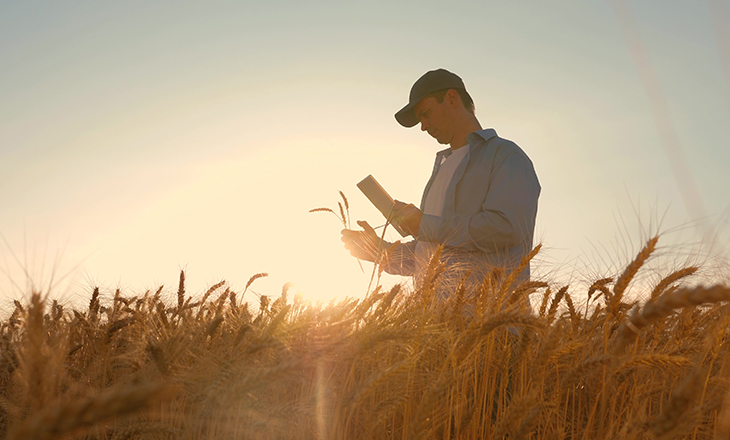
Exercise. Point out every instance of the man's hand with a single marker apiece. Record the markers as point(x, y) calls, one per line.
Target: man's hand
point(408, 217)
point(363, 244)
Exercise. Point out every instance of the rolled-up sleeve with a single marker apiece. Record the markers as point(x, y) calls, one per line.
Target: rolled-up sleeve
point(507, 214)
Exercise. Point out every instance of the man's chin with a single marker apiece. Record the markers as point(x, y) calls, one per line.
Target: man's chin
point(440, 139)
point(437, 139)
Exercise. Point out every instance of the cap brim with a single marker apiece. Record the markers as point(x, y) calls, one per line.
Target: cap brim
point(407, 116)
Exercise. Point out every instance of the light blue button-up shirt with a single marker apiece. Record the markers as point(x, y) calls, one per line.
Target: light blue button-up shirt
point(489, 212)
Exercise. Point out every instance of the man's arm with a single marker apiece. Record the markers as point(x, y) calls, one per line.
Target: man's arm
point(506, 217)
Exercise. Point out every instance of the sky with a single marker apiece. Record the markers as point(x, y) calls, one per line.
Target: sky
point(138, 139)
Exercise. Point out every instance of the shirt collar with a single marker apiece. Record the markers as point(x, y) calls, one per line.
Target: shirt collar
point(485, 134)
point(472, 137)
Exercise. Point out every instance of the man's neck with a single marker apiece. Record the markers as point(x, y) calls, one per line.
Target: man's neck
point(470, 125)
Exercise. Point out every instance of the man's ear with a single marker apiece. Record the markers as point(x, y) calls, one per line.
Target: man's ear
point(452, 97)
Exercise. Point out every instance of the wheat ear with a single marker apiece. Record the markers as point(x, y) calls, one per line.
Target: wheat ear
point(623, 281)
point(670, 279)
point(666, 304)
point(251, 280)
point(600, 285)
point(524, 262)
point(554, 304)
point(79, 415)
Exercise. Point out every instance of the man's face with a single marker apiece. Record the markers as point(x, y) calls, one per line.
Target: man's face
point(436, 118)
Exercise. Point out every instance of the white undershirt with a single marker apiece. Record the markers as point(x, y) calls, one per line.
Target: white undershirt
point(434, 203)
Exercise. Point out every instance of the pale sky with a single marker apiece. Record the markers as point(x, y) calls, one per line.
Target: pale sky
point(141, 138)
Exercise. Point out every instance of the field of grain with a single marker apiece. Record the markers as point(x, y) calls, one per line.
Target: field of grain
point(394, 365)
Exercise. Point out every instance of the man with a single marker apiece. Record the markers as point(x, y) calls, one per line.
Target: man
point(480, 202)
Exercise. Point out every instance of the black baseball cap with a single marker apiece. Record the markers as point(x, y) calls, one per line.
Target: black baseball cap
point(430, 82)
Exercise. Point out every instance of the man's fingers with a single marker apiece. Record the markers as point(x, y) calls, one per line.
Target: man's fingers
point(401, 210)
point(400, 206)
point(356, 239)
point(363, 224)
point(361, 244)
point(349, 235)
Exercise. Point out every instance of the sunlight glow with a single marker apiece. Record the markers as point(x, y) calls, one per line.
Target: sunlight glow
point(198, 138)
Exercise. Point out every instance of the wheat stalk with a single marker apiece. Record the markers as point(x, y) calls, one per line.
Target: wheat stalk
point(667, 423)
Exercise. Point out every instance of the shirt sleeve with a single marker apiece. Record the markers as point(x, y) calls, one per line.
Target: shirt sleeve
point(507, 215)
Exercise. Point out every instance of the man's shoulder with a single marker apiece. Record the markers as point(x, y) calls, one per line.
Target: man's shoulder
point(488, 143)
point(494, 152)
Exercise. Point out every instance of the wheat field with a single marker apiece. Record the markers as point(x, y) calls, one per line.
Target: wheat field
point(395, 365)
